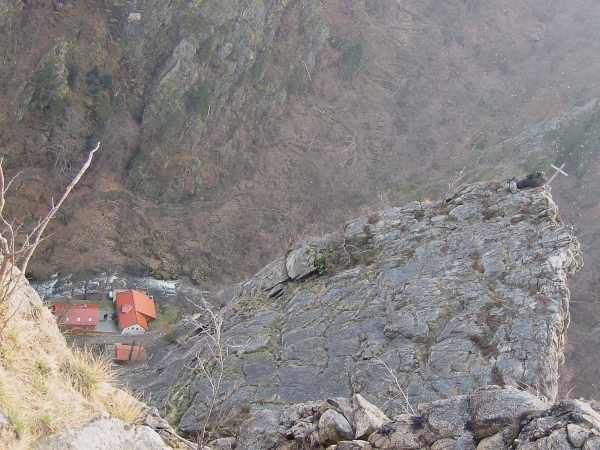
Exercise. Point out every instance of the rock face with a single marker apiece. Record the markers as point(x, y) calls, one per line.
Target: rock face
point(409, 305)
point(105, 434)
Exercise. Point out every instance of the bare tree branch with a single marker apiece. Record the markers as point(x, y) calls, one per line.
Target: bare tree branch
point(408, 408)
point(17, 250)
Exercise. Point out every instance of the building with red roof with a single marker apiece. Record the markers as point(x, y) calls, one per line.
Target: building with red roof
point(135, 311)
point(126, 353)
point(77, 317)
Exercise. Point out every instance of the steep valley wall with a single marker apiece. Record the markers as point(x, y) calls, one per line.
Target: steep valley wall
point(230, 128)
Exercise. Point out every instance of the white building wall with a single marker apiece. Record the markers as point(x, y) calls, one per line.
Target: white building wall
point(133, 329)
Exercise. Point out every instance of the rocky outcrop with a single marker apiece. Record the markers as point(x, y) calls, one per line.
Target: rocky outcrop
point(490, 418)
point(105, 434)
point(235, 127)
point(409, 305)
point(570, 139)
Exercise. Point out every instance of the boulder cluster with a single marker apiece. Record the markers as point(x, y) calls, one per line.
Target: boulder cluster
point(490, 418)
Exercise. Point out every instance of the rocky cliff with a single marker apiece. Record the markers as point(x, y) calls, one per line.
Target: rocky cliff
point(406, 305)
point(231, 128)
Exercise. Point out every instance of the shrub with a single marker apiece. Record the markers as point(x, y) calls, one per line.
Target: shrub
point(197, 99)
point(72, 75)
point(98, 85)
point(97, 81)
point(351, 60)
point(47, 97)
point(124, 406)
point(171, 335)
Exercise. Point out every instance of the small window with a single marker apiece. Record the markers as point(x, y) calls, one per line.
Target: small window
point(79, 319)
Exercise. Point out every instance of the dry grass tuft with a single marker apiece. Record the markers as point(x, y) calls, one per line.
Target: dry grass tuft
point(123, 405)
point(87, 372)
point(44, 387)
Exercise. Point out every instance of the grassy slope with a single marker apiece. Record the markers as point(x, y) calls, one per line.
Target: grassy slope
point(44, 386)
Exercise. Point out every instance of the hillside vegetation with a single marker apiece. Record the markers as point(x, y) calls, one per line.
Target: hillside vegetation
point(232, 127)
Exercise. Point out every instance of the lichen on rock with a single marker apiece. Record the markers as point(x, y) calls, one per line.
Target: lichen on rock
point(423, 303)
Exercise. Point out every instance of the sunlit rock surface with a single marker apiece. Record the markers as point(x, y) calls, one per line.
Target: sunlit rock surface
point(437, 299)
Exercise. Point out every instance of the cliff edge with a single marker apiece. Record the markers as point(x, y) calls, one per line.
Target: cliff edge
point(407, 305)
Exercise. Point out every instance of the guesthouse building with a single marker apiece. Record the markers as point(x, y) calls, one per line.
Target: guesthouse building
point(78, 318)
point(135, 310)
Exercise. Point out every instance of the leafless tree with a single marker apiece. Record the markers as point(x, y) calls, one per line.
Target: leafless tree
point(455, 181)
point(210, 358)
point(18, 246)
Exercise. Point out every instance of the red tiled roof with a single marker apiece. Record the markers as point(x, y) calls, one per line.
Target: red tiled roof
point(144, 305)
point(124, 352)
point(71, 315)
point(134, 307)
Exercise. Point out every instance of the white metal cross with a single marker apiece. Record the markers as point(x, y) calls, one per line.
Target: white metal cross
point(555, 174)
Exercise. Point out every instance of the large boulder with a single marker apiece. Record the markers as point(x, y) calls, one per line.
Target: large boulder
point(367, 417)
point(261, 431)
point(105, 434)
point(300, 262)
point(493, 409)
point(333, 427)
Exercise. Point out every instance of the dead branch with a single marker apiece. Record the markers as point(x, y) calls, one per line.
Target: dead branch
point(454, 182)
point(210, 359)
point(307, 71)
point(408, 408)
point(17, 250)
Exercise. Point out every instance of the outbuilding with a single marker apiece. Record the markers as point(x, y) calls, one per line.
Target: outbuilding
point(125, 353)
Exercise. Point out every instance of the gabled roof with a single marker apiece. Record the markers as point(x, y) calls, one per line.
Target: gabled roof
point(77, 315)
point(134, 307)
point(124, 352)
